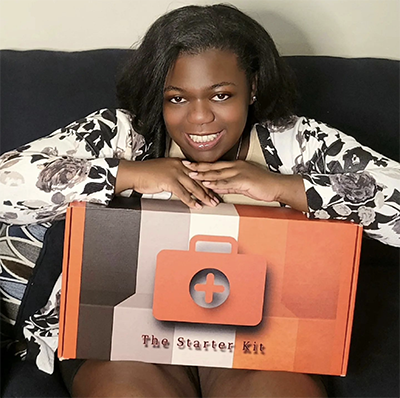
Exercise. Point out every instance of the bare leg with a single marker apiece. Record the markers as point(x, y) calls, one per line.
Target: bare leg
point(134, 379)
point(251, 383)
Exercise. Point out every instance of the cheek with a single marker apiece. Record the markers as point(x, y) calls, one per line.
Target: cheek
point(236, 115)
point(172, 117)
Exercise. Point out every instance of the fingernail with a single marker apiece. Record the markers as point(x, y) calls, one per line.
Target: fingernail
point(214, 202)
point(206, 182)
point(186, 162)
point(193, 174)
point(198, 206)
point(216, 199)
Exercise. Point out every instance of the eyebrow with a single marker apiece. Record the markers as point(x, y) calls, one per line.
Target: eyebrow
point(214, 86)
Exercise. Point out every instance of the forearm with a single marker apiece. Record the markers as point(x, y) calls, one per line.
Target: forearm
point(38, 191)
point(343, 179)
point(78, 162)
point(370, 198)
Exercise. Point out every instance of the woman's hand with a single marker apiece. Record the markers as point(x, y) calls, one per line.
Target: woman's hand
point(159, 175)
point(251, 180)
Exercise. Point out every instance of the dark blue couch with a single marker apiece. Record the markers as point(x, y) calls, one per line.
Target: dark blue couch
point(44, 90)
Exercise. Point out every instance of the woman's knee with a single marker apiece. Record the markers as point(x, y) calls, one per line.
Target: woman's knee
point(132, 379)
point(245, 383)
point(109, 379)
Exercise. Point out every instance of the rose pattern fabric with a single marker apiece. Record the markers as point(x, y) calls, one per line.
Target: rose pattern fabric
point(62, 173)
point(354, 187)
point(343, 181)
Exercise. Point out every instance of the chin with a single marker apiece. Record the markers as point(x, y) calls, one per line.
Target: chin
point(208, 158)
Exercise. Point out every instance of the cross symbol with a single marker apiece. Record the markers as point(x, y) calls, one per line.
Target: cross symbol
point(209, 288)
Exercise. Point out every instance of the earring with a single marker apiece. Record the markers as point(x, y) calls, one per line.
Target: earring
point(254, 98)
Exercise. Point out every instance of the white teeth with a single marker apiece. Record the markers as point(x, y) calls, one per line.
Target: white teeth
point(203, 138)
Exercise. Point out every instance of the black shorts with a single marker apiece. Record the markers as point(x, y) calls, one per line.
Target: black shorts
point(68, 369)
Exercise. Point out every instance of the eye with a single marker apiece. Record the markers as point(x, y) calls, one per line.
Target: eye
point(177, 100)
point(220, 97)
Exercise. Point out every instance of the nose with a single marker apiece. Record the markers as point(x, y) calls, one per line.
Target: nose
point(200, 112)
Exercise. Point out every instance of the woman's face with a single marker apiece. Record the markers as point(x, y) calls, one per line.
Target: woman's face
point(206, 101)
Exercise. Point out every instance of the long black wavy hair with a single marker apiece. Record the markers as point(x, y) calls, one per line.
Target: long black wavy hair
point(192, 30)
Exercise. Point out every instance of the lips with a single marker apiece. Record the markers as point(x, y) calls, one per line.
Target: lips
point(204, 141)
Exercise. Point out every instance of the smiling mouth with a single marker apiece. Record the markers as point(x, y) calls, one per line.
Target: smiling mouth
point(203, 138)
point(204, 142)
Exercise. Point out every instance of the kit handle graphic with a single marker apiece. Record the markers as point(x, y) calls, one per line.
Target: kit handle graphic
point(212, 238)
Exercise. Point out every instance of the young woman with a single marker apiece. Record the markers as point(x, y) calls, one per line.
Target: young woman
point(206, 112)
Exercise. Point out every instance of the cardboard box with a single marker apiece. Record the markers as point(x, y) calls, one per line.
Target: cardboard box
point(234, 286)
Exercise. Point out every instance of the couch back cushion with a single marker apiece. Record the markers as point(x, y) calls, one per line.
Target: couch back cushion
point(44, 90)
point(359, 96)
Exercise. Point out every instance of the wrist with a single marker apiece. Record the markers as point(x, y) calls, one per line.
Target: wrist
point(124, 179)
point(292, 192)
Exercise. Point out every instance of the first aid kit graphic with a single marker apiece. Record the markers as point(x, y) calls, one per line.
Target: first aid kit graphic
point(208, 287)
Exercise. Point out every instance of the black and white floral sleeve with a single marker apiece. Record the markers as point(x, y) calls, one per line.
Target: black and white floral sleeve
point(77, 162)
point(343, 179)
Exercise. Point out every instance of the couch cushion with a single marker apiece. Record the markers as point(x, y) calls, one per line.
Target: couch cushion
point(359, 96)
point(44, 90)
